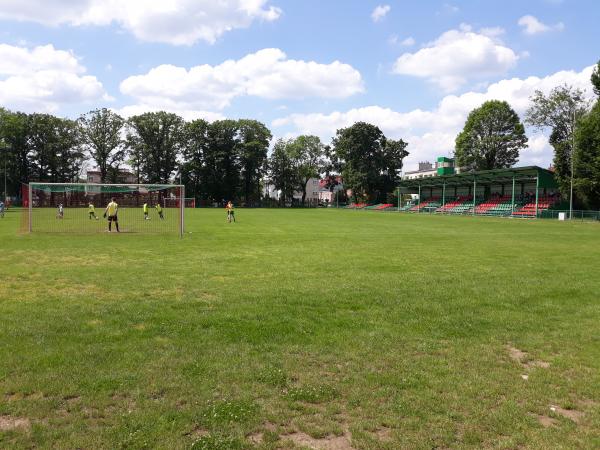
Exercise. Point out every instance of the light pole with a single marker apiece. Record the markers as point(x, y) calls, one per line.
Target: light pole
point(572, 164)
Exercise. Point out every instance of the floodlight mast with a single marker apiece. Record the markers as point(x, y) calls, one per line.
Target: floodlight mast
point(573, 123)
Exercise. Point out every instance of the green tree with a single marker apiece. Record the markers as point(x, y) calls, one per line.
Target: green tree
point(587, 158)
point(155, 140)
point(194, 169)
point(492, 137)
point(559, 112)
point(282, 172)
point(14, 136)
point(55, 151)
point(101, 135)
point(222, 160)
point(369, 164)
point(253, 147)
point(596, 79)
point(307, 154)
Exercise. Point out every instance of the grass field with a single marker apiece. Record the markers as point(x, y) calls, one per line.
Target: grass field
point(315, 328)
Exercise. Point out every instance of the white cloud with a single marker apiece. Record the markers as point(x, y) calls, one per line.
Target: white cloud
point(408, 42)
point(458, 56)
point(44, 79)
point(134, 110)
point(178, 22)
point(266, 74)
point(380, 12)
point(431, 133)
point(532, 25)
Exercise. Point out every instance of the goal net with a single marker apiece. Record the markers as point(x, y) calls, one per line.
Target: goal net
point(169, 202)
point(81, 207)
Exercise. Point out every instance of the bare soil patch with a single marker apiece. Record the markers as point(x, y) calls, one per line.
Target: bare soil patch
point(384, 434)
point(256, 438)
point(8, 423)
point(546, 421)
point(326, 443)
point(571, 414)
point(523, 358)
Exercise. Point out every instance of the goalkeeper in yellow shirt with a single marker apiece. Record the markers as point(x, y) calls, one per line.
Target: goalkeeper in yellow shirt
point(111, 210)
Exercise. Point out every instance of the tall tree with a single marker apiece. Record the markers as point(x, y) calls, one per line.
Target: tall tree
point(282, 172)
point(14, 135)
point(587, 158)
point(194, 169)
point(222, 159)
point(155, 140)
point(101, 134)
point(308, 156)
point(559, 111)
point(253, 147)
point(596, 79)
point(55, 149)
point(492, 137)
point(369, 166)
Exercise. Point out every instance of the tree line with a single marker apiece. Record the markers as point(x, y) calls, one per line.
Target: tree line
point(230, 160)
point(217, 161)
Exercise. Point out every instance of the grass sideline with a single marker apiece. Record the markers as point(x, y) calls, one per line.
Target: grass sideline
point(302, 327)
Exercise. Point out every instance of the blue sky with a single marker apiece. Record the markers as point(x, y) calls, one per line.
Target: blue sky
point(413, 68)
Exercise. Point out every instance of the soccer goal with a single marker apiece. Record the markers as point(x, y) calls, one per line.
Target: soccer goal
point(84, 208)
point(169, 202)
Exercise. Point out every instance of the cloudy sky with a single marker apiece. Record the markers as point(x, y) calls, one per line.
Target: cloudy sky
point(415, 69)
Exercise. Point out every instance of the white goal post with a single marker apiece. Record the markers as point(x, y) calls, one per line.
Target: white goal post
point(83, 208)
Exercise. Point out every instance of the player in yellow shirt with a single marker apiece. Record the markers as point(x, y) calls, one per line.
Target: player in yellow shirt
point(230, 212)
point(159, 210)
point(92, 211)
point(111, 210)
point(145, 208)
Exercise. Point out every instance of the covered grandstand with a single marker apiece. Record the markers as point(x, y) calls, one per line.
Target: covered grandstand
point(525, 192)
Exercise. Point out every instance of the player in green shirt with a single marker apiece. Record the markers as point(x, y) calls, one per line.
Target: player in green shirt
point(92, 211)
point(145, 208)
point(160, 213)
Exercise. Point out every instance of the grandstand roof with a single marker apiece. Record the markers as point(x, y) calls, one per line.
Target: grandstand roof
point(496, 176)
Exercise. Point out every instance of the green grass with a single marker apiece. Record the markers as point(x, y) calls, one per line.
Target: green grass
point(392, 330)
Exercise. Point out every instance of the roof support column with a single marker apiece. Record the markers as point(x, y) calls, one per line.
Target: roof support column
point(512, 211)
point(537, 191)
point(474, 192)
point(419, 204)
point(443, 195)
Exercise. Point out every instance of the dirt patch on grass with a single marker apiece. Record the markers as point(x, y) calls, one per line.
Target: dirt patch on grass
point(571, 414)
point(523, 358)
point(256, 438)
point(326, 443)
point(8, 423)
point(16, 396)
point(546, 421)
point(384, 434)
point(197, 432)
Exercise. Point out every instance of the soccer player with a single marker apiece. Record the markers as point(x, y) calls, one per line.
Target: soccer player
point(160, 213)
point(111, 210)
point(60, 213)
point(1, 208)
point(92, 211)
point(145, 208)
point(230, 212)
